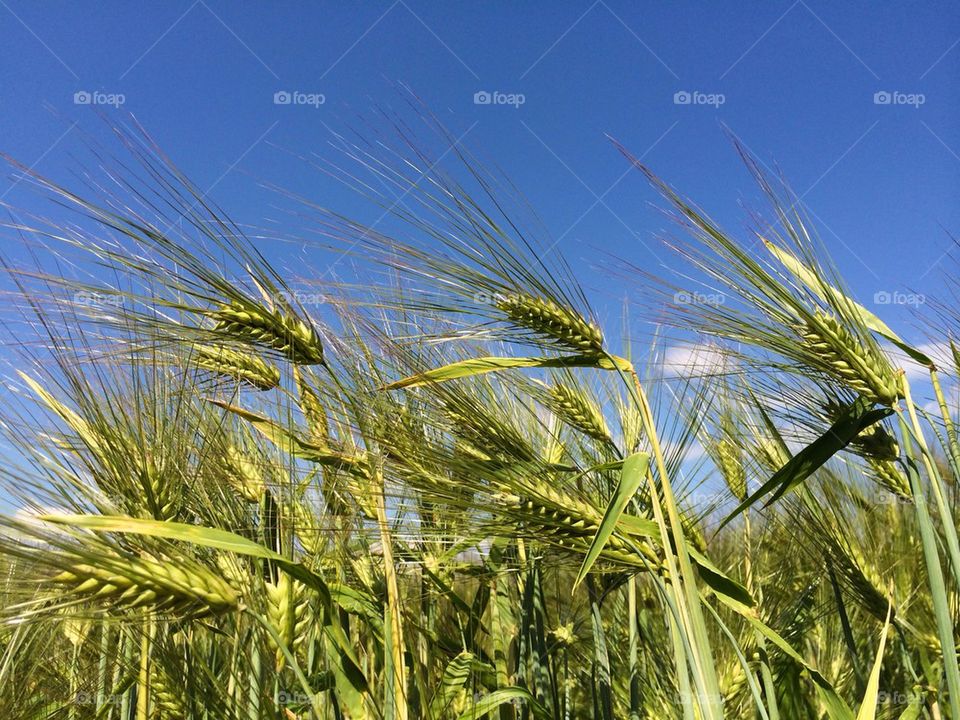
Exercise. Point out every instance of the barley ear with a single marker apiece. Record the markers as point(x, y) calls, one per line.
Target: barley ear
point(244, 476)
point(578, 411)
point(860, 366)
point(286, 612)
point(730, 461)
point(890, 478)
point(312, 408)
point(560, 325)
point(256, 325)
point(179, 586)
point(245, 367)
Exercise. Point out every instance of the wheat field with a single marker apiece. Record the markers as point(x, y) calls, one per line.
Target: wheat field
point(449, 490)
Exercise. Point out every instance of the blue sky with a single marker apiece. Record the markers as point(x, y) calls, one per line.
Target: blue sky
point(795, 81)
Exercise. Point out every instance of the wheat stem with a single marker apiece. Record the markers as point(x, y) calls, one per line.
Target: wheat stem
point(953, 445)
point(935, 579)
point(705, 675)
point(936, 484)
point(394, 617)
point(143, 681)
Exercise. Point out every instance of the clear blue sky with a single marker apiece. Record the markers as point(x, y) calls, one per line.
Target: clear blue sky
point(797, 79)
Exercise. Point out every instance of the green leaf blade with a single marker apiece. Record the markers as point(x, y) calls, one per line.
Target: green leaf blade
point(631, 477)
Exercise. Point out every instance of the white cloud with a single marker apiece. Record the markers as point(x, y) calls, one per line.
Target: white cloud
point(938, 352)
point(694, 360)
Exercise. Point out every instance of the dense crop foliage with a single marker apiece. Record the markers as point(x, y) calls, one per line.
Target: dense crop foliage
point(450, 493)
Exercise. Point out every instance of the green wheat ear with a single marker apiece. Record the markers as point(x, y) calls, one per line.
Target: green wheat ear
point(730, 460)
point(578, 411)
point(890, 477)
point(287, 612)
point(165, 693)
point(244, 476)
point(312, 408)
point(246, 367)
point(861, 367)
point(144, 582)
point(253, 324)
point(562, 326)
